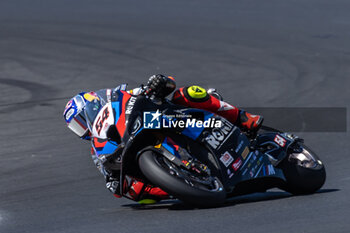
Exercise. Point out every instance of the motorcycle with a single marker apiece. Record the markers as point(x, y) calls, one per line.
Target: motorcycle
point(204, 162)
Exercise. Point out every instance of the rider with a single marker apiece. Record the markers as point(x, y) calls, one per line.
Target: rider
point(159, 86)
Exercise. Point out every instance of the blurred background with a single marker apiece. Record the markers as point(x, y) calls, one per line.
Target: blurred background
point(258, 54)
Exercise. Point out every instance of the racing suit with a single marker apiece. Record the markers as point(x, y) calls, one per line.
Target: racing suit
point(192, 96)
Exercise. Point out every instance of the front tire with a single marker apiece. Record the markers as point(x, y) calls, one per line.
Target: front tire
point(162, 173)
point(304, 172)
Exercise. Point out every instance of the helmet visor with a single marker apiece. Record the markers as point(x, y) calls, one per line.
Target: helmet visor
point(78, 124)
point(91, 111)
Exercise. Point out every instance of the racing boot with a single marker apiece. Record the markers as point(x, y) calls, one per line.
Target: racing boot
point(153, 195)
point(249, 122)
point(144, 194)
point(113, 185)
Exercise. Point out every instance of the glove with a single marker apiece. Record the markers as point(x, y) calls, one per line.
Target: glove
point(160, 85)
point(113, 185)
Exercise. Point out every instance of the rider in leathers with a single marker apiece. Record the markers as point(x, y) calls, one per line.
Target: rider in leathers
point(159, 86)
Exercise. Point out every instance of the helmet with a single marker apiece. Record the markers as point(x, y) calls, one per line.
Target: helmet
point(74, 112)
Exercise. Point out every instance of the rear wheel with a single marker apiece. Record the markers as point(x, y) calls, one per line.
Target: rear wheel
point(183, 184)
point(304, 172)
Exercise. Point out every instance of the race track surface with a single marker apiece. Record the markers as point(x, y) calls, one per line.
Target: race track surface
point(256, 53)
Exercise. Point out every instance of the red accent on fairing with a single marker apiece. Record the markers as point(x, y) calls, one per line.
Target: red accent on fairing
point(212, 104)
point(117, 196)
point(99, 143)
point(171, 141)
point(121, 121)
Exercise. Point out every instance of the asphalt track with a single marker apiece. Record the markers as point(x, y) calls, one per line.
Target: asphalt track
point(257, 53)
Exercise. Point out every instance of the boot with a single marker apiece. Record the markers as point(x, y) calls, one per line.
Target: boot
point(249, 121)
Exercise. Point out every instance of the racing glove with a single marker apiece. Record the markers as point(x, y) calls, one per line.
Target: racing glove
point(161, 86)
point(113, 185)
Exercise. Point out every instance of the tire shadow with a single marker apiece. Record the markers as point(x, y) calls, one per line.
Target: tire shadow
point(244, 199)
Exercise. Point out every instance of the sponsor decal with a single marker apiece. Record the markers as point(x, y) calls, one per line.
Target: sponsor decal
point(239, 146)
point(259, 161)
point(248, 159)
point(270, 170)
point(226, 159)
point(130, 105)
point(245, 153)
point(258, 172)
point(69, 113)
point(252, 171)
point(237, 164)
point(109, 94)
point(69, 104)
point(280, 140)
point(218, 135)
point(229, 173)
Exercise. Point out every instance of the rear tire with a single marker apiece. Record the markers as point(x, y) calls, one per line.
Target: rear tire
point(158, 173)
point(303, 179)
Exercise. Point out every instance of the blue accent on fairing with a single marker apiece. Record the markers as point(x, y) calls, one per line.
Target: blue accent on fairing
point(138, 131)
point(88, 137)
point(109, 148)
point(194, 132)
point(170, 148)
point(115, 106)
point(263, 170)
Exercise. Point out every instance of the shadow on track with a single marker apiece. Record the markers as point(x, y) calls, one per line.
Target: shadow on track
point(250, 198)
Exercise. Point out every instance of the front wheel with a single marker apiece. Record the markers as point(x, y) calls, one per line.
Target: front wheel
point(184, 185)
point(304, 172)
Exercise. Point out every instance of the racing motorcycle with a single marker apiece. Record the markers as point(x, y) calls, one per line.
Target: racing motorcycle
point(196, 156)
